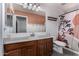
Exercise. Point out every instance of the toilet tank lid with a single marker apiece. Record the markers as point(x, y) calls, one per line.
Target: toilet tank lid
point(60, 43)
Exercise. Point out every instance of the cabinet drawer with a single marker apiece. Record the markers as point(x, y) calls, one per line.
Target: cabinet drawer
point(9, 47)
point(29, 43)
point(15, 52)
point(13, 46)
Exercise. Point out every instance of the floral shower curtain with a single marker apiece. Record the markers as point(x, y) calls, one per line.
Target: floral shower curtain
point(74, 21)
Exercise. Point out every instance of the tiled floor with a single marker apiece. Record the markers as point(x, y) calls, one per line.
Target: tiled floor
point(66, 53)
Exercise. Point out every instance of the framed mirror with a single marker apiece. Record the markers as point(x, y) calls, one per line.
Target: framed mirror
point(28, 20)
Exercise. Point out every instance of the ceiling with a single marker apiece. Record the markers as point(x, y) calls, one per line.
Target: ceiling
point(64, 7)
point(70, 6)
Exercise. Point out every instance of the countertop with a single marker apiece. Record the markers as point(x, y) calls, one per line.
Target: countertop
point(23, 39)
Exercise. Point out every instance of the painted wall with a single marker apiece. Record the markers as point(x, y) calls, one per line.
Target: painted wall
point(1, 41)
point(53, 11)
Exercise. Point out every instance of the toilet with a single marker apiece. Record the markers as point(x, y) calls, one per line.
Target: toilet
point(58, 46)
point(60, 43)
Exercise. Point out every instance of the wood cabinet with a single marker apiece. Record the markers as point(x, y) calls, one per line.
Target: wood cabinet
point(28, 48)
point(45, 47)
point(41, 47)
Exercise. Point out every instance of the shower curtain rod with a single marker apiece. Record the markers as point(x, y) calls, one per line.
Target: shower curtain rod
point(69, 12)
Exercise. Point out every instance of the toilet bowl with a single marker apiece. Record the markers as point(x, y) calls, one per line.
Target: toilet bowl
point(59, 43)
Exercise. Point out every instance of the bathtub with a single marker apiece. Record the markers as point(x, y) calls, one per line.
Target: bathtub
point(73, 43)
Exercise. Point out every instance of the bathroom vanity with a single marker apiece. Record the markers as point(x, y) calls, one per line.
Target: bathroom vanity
point(31, 47)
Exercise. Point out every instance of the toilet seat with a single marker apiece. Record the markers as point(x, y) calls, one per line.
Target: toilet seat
point(59, 43)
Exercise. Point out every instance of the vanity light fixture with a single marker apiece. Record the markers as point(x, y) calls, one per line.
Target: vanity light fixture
point(31, 6)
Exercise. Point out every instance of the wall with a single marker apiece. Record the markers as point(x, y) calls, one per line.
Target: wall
point(0, 19)
point(53, 11)
point(1, 41)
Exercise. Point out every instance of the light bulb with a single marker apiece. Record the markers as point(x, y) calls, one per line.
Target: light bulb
point(25, 5)
point(30, 6)
point(38, 8)
point(34, 7)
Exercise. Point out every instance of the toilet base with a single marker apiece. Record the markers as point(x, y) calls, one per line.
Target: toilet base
point(58, 49)
point(58, 46)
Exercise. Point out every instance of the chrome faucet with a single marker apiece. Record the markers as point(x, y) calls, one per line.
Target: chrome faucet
point(32, 34)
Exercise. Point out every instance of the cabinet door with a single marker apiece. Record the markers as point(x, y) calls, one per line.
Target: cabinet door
point(28, 51)
point(41, 50)
point(41, 47)
point(16, 52)
point(21, 49)
point(49, 45)
point(45, 47)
